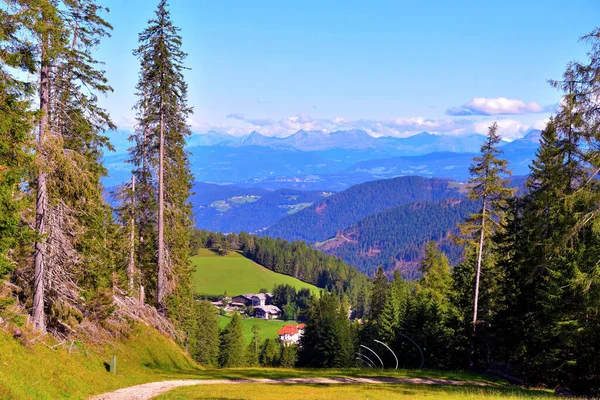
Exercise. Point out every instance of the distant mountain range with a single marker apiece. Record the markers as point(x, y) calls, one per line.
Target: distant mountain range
point(330, 161)
point(355, 139)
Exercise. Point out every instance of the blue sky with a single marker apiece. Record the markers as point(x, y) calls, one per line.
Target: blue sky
point(392, 68)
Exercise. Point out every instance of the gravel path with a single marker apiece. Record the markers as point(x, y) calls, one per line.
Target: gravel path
point(149, 390)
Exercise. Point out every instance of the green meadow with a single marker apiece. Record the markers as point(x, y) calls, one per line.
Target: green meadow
point(235, 274)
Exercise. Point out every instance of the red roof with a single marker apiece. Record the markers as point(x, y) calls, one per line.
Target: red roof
point(290, 329)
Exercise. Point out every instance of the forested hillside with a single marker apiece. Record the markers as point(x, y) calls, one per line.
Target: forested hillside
point(396, 238)
point(324, 219)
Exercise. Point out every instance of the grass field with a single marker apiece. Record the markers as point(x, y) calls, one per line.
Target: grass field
point(497, 390)
point(34, 371)
point(348, 392)
point(235, 274)
point(268, 329)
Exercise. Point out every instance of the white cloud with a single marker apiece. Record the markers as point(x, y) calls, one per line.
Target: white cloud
point(509, 129)
point(541, 124)
point(497, 106)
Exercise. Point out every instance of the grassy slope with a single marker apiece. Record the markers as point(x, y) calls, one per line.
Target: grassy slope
point(38, 372)
point(268, 329)
point(236, 274)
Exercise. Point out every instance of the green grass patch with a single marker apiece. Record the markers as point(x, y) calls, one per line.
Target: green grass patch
point(267, 329)
point(347, 392)
point(235, 274)
point(293, 209)
point(38, 372)
point(498, 389)
point(243, 199)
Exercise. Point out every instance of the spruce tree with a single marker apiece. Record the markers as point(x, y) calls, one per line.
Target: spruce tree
point(232, 352)
point(289, 356)
point(270, 353)
point(435, 276)
point(254, 346)
point(387, 322)
point(72, 220)
point(379, 294)
point(16, 123)
point(206, 339)
point(328, 339)
point(159, 156)
point(488, 186)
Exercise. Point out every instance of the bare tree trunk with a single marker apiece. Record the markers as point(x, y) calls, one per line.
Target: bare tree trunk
point(131, 266)
point(39, 317)
point(477, 277)
point(161, 284)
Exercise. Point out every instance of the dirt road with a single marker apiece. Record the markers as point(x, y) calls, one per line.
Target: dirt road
point(150, 390)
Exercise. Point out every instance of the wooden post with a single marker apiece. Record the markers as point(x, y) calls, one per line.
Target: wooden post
point(113, 365)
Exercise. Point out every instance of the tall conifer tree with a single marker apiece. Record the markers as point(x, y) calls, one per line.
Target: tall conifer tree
point(487, 185)
point(16, 123)
point(70, 209)
point(160, 159)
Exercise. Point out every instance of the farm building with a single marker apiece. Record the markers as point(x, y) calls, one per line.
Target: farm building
point(251, 299)
point(291, 334)
point(267, 312)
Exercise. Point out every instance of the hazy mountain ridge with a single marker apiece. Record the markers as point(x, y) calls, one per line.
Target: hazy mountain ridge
point(270, 163)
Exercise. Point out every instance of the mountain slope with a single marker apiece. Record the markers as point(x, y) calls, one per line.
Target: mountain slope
point(396, 238)
point(323, 219)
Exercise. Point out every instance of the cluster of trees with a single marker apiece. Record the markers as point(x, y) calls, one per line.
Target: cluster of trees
point(55, 227)
point(526, 297)
point(226, 347)
point(293, 304)
point(295, 259)
point(61, 244)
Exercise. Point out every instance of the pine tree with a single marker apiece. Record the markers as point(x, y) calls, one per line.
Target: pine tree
point(70, 209)
point(379, 294)
point(387, 322)
point(289, 356)
point(254, 346)
point(159, 152)
point(328, 339)
point(487, 185)
point(435, 280)
point(270, 353)
point(206, 339)
point(16, 123)
point(232, 352)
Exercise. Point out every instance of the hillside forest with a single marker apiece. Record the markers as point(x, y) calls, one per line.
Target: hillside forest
point(522, 298)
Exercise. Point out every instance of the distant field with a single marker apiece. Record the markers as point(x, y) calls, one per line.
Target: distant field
point(267, 329)
point(235, 274)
